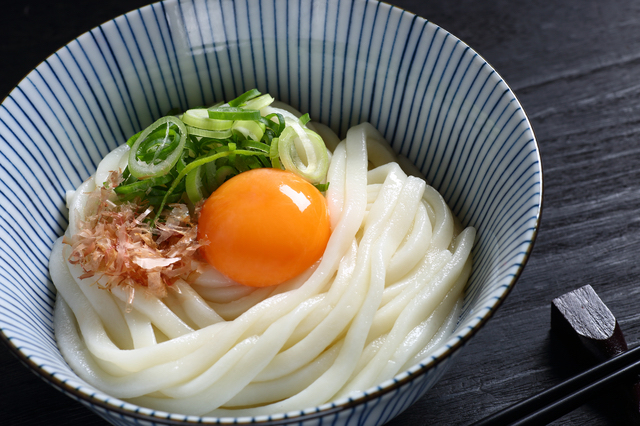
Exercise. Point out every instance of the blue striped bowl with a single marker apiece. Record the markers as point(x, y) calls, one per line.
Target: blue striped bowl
point(436, 100)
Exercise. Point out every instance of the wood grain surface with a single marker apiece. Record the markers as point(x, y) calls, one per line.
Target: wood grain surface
point(575, 66)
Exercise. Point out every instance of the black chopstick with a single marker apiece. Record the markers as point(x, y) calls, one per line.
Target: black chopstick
point(568, 395)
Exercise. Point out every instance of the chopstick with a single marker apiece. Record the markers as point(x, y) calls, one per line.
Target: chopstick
point(568, 395)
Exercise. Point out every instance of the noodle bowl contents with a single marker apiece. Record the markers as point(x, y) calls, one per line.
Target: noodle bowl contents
point(225, 262)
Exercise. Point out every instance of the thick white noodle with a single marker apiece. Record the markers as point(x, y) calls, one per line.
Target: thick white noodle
point(115, 160)
point(77, 203)
point(385, 293)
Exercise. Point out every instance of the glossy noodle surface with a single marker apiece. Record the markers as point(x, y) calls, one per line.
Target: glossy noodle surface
point(384, 292)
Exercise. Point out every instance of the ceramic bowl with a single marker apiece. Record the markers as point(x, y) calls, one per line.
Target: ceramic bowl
point(435, 100)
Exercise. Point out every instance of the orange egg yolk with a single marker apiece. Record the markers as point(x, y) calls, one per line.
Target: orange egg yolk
point(263, 227)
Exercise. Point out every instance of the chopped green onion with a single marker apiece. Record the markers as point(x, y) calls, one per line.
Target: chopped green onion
point(277, 127)
point(194, 185)
point(233, 113)
point(186, 158)
point(304, 119)
point(158, 166)
point(181, 164)
point(133, 138)
point(322, 187)
point(143, 185)
point(296, 142)
point(253, 130)
point(197, 163)
point(215, 134)
point(240, 164)
point(200, 118)
point(158, 145)
point(210, 171)
point(223, 173)
point(274, 155)
point(264, 160)
point(156, 200)
point(244, 98)
point(256, 145)
point(259, 102)
point(254, 162)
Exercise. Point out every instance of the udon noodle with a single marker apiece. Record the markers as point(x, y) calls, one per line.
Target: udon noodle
point(382, 296)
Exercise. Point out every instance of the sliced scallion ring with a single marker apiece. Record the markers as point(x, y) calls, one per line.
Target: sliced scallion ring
point(259, 102)
point(253, 130)
point(256, 145)
point(276, 122)
point(244, 98)
point(303, 152)
point(159, 167)
point(233, 113)
point(215, 134)
point(199, 117)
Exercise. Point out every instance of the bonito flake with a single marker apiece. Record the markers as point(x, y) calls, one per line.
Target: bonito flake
point(116, 242)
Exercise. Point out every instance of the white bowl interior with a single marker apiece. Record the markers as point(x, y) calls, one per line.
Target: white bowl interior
point(435, 99)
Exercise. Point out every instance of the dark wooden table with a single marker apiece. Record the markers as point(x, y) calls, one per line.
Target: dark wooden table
point(575, 66)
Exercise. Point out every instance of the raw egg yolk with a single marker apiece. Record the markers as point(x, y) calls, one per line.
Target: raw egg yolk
point(263, 227)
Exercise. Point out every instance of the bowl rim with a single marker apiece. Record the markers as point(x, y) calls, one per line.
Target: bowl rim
point(331, 407)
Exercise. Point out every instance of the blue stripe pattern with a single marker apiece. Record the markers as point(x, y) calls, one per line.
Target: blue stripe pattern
point(435, 100)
